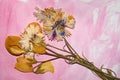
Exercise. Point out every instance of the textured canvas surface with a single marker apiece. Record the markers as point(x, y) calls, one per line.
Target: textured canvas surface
point(96, 34)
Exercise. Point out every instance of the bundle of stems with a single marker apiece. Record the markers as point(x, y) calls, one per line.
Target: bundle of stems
point(72, 57)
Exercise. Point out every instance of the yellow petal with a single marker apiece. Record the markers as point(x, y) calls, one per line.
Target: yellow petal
point(35, 24)
point(59, 38)
point(47, 28)
point(23, 65)
point(70, 21)
point(40, 49)
point(12, 45)
point(45, 67)
point(70, 17)
point(22, 60)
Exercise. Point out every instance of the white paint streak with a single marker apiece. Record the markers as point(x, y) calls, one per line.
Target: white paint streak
point(116, 68)
point(111, 45)
point(95, 15)
point(89, 74)
point(114, 7)
point(56, 1)
point(96, 49)
point(86, 0)
point(24, 1)
point(118, 48)
point(113, 22)
point(112, 18)
point(104, 37)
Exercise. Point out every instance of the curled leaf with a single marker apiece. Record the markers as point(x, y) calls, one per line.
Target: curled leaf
point(24, 65)
point(45, 67)
point(12, 45)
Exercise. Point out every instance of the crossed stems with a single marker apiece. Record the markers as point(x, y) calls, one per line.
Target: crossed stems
point(72, 57)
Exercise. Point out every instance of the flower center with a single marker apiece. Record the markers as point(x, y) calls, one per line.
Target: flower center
point(58, 23)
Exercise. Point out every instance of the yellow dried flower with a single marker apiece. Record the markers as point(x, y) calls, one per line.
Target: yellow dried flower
point(32, 38)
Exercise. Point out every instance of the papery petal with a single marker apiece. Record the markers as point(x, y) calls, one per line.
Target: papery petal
point(25, 41)
point(45, 67)
point(49, 34)
point(47, 28)
point(36, 29)
point(32, 35)
point(70, 22)
point(34, 25)
point(30, 55)
point(59, 38)
point(12, 45)
point(48, 22)
point(40, 49)
point(23, 65)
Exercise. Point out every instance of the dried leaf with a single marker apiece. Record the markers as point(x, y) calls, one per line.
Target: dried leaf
point(23, 65)
point(45, 67)
point(12, 45)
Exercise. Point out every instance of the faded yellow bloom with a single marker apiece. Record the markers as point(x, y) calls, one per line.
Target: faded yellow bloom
point(32, 38)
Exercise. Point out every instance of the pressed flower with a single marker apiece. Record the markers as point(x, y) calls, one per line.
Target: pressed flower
point(32, 37)
point(55, 22)
point(12, 45)
point(24, 65)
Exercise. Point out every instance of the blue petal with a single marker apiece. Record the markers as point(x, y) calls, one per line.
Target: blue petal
point(62, 33)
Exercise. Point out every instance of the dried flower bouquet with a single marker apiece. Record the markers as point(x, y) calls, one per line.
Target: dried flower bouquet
point(31, 42)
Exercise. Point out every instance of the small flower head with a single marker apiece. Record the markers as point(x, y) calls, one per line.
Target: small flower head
point(55, 22)
point(31, 36)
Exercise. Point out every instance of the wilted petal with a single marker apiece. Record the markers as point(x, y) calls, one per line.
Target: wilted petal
point(40, 49)
point(31, 36)
point(24, 65)
point(70, 22)
point(12, 45)
point(45, 67)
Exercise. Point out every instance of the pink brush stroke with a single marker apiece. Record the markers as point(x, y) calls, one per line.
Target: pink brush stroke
point(96, 34)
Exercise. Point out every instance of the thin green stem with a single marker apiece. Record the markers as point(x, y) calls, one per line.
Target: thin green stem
point(71, 49)
point(58, 56)
point(58, 48)
point(53, 51)
point(47, 60)
point(78, 60)
point(69, 45)
point(99, 72)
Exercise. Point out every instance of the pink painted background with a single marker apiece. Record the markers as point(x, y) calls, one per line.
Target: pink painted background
point(96, 33)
